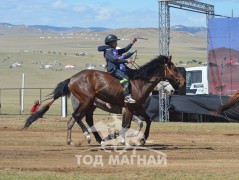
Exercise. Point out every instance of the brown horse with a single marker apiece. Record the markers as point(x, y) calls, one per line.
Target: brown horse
point(161, 87)
point(231, 108)
point(90, 84)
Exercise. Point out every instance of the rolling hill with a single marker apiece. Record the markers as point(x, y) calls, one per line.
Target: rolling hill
point(34, 47)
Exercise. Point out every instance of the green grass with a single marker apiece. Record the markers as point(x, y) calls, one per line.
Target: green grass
point(45, 175)
point(200, 127)
point(29, 49)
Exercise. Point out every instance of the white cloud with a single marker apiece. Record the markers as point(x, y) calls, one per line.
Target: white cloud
point(60, 5)
point(103, 14)
point(82, 8)
point(106, 13)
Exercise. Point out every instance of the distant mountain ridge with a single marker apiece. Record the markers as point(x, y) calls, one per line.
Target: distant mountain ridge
point(68, 29)
point(7, 28)
point(192, 30)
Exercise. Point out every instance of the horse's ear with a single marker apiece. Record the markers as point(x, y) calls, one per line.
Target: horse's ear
point(170, 58)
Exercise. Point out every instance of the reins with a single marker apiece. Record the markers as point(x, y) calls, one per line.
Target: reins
point(165, 72)
point(133, 62)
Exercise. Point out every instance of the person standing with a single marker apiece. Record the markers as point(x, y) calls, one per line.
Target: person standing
point(35, 107)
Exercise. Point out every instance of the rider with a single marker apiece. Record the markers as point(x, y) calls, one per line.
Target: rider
point(114, 57)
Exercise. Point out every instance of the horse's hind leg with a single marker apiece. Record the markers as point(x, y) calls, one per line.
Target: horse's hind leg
point(90, 122)
point(76, 104)
point(79, 118)
point(70, 125)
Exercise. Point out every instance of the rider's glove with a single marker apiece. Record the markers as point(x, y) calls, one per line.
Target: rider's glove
point(121, 57)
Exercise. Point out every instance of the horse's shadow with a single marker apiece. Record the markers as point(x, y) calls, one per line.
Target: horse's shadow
point(155, 147)
point(231, 134)
point(174, 147)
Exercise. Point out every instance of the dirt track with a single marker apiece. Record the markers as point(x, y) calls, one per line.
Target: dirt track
point(193, 150)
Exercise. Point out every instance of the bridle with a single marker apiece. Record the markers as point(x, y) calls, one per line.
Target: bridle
point(136, 66)
point(170, 72)
point(163, 85)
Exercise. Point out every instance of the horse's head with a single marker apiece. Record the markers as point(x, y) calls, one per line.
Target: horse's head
point(165, 87)
point(160, 68)
point(172, 73)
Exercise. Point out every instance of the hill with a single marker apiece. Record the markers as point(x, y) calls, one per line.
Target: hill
point(10, 29)
point(6, 28)
point(36, 49)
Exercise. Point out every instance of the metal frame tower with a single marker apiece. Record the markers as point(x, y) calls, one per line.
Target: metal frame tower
point(164, 36)
point(164, 18)
point(163, 107)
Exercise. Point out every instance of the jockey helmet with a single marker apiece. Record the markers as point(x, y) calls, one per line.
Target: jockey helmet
point(110, 38)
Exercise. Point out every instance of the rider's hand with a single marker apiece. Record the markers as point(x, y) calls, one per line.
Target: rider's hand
point(134, 40)
point(132, 52)
point(129, 61)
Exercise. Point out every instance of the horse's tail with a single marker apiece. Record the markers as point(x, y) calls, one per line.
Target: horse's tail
point(60, 90)
point(231, 102)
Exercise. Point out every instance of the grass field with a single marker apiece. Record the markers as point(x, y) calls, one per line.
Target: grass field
point(33, 50)
point(194, 151)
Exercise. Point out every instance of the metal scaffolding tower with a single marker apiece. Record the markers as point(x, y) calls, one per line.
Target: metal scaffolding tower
point(163, 107)
point(164, 18)
point(164, 36)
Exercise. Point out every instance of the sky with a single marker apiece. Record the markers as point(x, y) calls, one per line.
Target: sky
point(224, 33)
point(104, 13)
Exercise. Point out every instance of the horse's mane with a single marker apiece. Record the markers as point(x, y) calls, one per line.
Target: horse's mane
point(148, 69)
point(230, 103)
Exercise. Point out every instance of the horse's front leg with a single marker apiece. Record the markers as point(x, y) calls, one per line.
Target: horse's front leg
point(137, 120)
point(147, 129)
point(126, 122)
point(140, 124)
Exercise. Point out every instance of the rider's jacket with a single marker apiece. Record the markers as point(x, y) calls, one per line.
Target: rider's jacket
point(113, 57)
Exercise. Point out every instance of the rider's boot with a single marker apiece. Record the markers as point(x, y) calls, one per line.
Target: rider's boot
point(129, 99)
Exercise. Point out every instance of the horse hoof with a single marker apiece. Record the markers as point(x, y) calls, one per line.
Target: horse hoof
point(99, 141)
point(127, 144)
point(142, 141)
point(71, 143)
point(102, 143)
point(88, 139)
point(68, 142)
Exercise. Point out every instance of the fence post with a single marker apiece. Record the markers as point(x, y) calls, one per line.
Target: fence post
point(22, 94)
point(63, 106)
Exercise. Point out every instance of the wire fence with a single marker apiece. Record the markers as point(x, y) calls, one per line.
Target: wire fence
point(18, 101)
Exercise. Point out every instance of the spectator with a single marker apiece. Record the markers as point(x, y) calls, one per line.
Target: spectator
point(35, 107)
